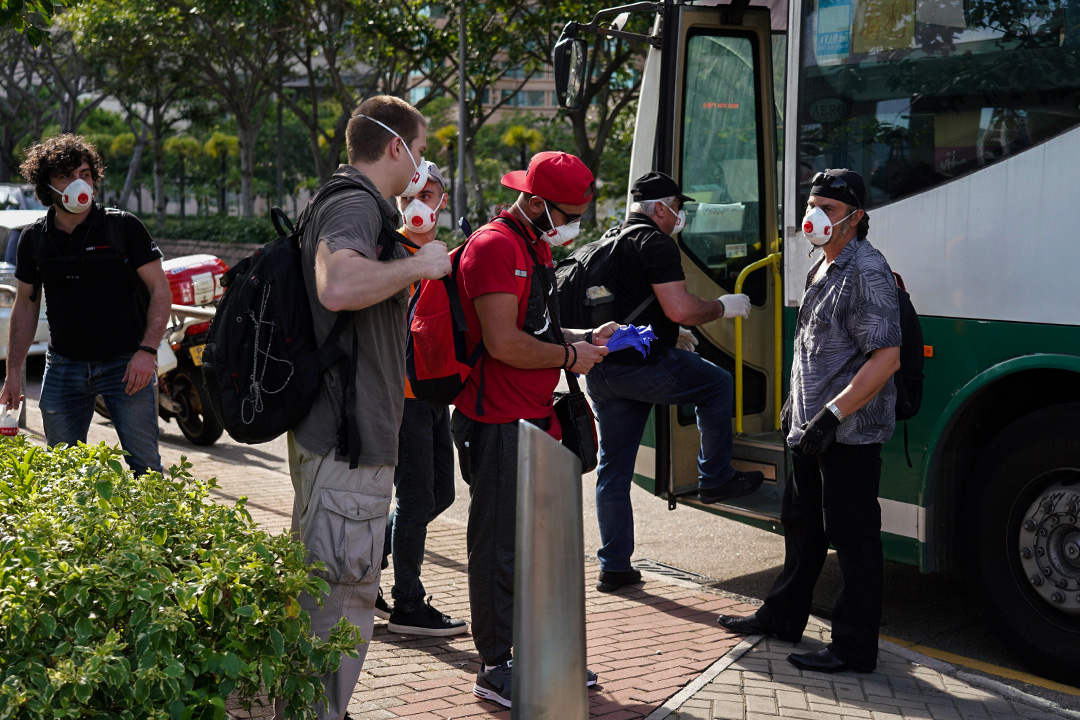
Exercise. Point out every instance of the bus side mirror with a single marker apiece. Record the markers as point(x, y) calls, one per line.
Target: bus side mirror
point(568, 59)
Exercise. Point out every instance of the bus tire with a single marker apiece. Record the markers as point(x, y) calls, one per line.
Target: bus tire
point(1027, 538)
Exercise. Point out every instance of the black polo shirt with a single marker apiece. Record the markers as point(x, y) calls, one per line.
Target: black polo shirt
point(646, 257)
point(94, 302)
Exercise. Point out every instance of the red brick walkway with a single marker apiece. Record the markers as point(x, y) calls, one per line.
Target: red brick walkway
point(646, 644)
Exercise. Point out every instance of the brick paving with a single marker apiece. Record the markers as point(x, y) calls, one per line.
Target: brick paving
point(658, 651)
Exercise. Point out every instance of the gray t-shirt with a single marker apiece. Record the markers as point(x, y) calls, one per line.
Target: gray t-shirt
point(352, 220)
point(845, 315)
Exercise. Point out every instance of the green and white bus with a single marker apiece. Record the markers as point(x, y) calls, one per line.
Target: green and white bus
point(963, 116)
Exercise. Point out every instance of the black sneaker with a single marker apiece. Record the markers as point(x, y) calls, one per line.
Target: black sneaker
point(612, 580)
point(425, 620)
point(382, 610)
point(741, 483)
point(590, 678)
point(493, 682)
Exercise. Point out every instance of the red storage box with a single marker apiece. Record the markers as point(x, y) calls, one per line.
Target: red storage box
point(195, 279)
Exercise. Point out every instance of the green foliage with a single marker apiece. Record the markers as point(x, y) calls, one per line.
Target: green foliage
point(214, 228)
point(32, 18)
point(128, 597)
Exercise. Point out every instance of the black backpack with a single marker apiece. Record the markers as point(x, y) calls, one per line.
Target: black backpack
point(262, 364)
point(585, 278)
point(909, 378)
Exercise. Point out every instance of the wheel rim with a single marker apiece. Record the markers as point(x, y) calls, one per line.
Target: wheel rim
point(1049, 543)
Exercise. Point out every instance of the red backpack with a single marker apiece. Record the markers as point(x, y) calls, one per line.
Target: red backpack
point(437, 324)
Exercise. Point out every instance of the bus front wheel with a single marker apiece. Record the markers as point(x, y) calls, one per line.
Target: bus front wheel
point(1027, 537)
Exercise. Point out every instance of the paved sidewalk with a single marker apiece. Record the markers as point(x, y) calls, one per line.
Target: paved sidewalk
point(657, 648)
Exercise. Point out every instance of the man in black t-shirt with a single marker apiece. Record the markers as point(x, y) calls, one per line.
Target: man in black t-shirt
point(626, 386)
point(108, 305)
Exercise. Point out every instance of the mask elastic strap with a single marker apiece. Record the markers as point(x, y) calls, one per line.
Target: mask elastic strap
point(395, 134)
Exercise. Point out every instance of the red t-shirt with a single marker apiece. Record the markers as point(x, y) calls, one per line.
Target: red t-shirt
point(497, 260)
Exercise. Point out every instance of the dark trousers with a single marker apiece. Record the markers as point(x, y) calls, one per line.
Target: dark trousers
point(488, 453)
point(832, 499)
point(424, 488)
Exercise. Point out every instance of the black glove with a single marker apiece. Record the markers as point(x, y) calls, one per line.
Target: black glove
point(819, 433)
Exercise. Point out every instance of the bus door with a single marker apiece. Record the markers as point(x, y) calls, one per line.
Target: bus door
point(723, 150)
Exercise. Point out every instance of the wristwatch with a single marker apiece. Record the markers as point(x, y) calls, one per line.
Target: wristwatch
point(835, 411)
point(588, 336)
point(147, 348)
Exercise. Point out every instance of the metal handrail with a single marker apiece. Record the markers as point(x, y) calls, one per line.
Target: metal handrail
point(774, 262)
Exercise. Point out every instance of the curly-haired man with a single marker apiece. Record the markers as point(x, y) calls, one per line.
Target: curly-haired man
point(108, 305)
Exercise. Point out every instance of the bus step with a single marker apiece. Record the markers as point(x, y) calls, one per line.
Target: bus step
point(763, 452)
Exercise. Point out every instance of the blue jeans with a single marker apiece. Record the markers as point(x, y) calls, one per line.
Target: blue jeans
point(424, 486)
point(623, 396)
point(68, 390)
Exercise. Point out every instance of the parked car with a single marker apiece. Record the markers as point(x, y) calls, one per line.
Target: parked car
point(18, 197)
point(11, 224)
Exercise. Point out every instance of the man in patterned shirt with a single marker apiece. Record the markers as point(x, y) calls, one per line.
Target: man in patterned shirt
point(840, 411)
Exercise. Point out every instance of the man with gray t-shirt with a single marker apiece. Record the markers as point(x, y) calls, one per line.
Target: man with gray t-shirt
point(841, 410)
point(343, 493)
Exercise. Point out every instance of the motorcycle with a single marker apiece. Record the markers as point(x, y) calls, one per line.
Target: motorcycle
point(195, 282)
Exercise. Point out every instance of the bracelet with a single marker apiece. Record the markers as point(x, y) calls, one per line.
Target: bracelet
point(588, 336)
point(566, 356)
point(147, 348)
point(575, 357)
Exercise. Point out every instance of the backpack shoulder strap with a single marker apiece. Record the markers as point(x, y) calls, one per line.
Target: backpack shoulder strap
point(652, 296)
point(34, 233)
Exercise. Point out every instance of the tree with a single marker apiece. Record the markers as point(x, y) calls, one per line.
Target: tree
point(126, 46)
point(612, 85)
point(447, 135)
point(182, 148)
point(24, 102)
point(526, 140)
point(31, 18)
point(221, 147)
point(221, 42)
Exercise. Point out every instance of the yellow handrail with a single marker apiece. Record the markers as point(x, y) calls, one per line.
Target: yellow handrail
point(774, 262)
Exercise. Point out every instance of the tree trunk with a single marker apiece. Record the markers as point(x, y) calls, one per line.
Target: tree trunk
point(183, 212)
point(159, 178)
point(223, 200)
point(479, 205)
point(245, 133)
point(132, 173)
point(455, 211)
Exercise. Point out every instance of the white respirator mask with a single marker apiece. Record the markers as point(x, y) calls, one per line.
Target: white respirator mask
point(420, 218)
point(562, 235)
point(817, 227)
point(77, 196)
point(680, 218)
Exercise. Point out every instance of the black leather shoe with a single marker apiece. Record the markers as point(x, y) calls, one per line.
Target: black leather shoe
point(751, 625)
point(824, 661)
point(612, 580)
point(741, 483)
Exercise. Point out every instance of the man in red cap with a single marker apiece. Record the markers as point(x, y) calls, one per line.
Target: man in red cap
point(504, 273)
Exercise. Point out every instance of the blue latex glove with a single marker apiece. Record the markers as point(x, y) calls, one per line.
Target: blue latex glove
point(632, 336)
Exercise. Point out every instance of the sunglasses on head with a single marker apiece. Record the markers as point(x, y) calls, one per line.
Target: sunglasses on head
point(837, 183)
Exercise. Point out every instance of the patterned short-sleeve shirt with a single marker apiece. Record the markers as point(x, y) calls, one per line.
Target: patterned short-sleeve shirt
point(845, 315)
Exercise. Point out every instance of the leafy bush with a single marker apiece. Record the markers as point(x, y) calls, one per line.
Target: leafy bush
point(214, 228)
point(126, 597)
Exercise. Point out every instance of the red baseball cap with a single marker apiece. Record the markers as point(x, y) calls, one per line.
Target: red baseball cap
point(556, 176)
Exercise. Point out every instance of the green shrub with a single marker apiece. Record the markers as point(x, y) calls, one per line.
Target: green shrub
point(124, 597)
point(214, 228)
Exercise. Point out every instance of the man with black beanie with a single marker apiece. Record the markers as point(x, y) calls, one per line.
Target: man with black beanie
point(839, 412)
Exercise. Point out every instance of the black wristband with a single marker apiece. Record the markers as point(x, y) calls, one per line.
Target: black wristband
point(566, 356)
point(147, 348)
point(588, 336)
point(575, 357)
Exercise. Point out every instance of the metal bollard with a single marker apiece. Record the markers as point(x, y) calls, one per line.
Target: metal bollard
point(549, 583)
